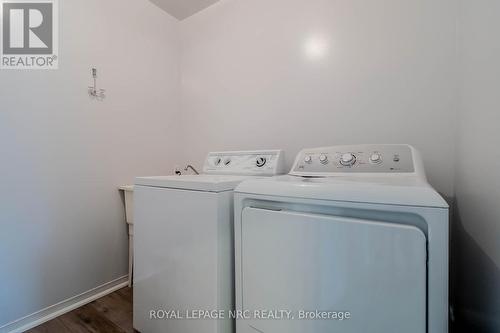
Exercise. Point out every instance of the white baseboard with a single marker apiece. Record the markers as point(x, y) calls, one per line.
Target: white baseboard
point(56, 310)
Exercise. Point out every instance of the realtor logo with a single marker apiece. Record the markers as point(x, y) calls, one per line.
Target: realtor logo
point(29, 34)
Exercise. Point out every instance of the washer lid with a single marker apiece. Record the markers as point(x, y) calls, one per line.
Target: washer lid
point(407, 191)
point(206, 183)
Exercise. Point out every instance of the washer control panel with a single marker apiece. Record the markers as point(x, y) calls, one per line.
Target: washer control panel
point(245, 163)
point(355, 159)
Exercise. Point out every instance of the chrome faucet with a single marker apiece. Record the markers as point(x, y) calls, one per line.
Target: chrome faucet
point(192, 168)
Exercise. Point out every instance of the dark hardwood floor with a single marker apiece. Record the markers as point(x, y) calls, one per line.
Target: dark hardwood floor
point(110, 314)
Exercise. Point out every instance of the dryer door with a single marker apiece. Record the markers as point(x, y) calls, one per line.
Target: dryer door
point(306, 262)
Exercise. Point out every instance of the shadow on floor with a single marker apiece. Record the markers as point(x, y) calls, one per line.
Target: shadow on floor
point(475, 284)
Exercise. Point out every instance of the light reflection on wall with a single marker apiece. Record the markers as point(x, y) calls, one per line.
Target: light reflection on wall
point(316, 47)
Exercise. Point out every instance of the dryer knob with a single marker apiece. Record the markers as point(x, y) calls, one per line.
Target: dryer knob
point(323, 159)
point(376, 158)
point(308, 159)
point(348, 159)
point(261, 161)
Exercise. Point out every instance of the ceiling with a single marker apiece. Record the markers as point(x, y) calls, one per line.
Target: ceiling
point(182, 9)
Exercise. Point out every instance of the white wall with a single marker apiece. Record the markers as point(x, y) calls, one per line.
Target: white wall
point(478, 158)
point(387, 76)
point(63, 155)
point(478, 162)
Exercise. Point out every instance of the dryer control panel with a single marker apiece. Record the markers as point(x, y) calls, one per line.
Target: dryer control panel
point(356, 159)
point(245, 163)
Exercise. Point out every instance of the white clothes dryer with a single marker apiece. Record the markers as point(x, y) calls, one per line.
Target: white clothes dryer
point(353, 231)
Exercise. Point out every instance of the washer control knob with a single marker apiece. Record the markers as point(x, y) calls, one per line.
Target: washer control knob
point(217, 161)
point(308, 159)
point(348, 159)
point(227, 161)
point(376, 158)
point(323, 159)
point(261, 161)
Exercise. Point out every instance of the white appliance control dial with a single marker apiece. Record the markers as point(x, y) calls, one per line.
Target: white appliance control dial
point(308, 159)
point(323, 159)
point(227, 161)
point(348, 159)
point(217, 161)
point(376, 158)
point(261, 161)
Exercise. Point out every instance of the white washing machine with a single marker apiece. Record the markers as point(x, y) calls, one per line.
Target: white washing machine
point(353, 240)
point(184, 245)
